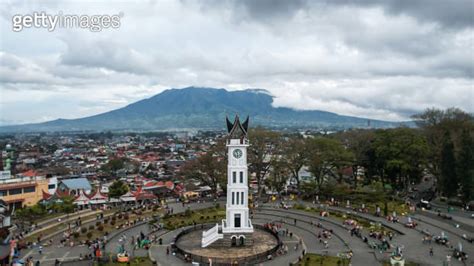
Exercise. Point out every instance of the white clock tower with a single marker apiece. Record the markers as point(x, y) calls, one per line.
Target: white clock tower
point(236, 229)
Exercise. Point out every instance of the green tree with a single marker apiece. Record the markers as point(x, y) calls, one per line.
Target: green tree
point(66, 205)
point(117, 189)
point(263, 145)
point(278, 175)
point(294, 155)
point(359, 142)
point(448, 167)
point(434, 123)
point(400, 156)
point(325, 157)
point(210, 168)
point(113, 165)
point(466, 166)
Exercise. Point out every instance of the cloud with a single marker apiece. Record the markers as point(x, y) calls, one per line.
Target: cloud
point(384, 60)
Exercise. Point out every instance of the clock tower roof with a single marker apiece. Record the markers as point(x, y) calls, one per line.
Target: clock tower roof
point(237, 129)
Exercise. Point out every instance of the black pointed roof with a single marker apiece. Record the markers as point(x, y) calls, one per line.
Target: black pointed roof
point(237, 128)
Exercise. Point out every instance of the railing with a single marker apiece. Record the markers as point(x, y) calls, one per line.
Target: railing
point(22, 179)
point(211, 231)
point(210, 236)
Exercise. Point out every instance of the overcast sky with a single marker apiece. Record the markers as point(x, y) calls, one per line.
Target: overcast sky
point(383, 60)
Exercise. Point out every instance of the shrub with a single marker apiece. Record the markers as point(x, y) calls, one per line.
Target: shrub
point(83, 230)
point(91, 227)
point(89, 235)
point(75, 234)
point(100, 228)
point(217, 206)
point(112, 222)
point(299, 206)
point(188, 212)
point(201, 218)
point(98, 223)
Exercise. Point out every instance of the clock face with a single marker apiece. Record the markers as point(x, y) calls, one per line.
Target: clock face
point(237, 153)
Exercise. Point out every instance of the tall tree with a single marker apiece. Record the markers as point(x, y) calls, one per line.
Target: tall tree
point(359, 142)
point(466, 166)
point(325, 157)
point(117, 189)
point(294, 155)
point(434, 124)
point(401, 156)
point(209, 168)
point(263, 145)
point(449, 180)
point(279, 173)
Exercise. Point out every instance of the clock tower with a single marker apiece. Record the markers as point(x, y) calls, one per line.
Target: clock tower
point(236, 228)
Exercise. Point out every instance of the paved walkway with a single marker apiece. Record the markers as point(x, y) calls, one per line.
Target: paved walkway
point(414, 250)
point(362, 253)
point(304, 228)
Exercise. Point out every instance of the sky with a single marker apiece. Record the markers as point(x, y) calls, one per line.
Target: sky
point(377, 59)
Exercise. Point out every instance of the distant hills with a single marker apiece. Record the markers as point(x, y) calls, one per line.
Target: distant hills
point(200, 108)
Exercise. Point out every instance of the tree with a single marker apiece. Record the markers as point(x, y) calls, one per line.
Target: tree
point(359, 142)
point(65, 206)
point(448, 167)
point(117, 189)
point(210, 168)
point(434, 124)
point(278, 175)
point(400, 156)
point(466, 166)
point(326, 156)
point(294, 154)
point(113, 165)
point(263, 145)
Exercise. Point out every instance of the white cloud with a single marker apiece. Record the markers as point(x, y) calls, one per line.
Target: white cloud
point(371, 60)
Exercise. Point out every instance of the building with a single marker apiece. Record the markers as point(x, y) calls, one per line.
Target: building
point(25, 190)
point(75, 185)
point(236, 228)
point(5, 234)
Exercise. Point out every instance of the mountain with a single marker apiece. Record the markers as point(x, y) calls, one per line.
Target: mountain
point(199, 108)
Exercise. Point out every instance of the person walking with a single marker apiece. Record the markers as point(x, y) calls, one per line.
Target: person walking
point(431, 251)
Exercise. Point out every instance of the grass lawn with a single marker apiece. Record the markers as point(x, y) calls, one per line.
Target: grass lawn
point(60, 226)
point(139, 261)
point(34, 237)
point(108, 227)
point(208, 215)
point(315, 259)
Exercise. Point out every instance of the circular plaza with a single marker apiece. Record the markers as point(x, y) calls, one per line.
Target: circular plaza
point(187, 245)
